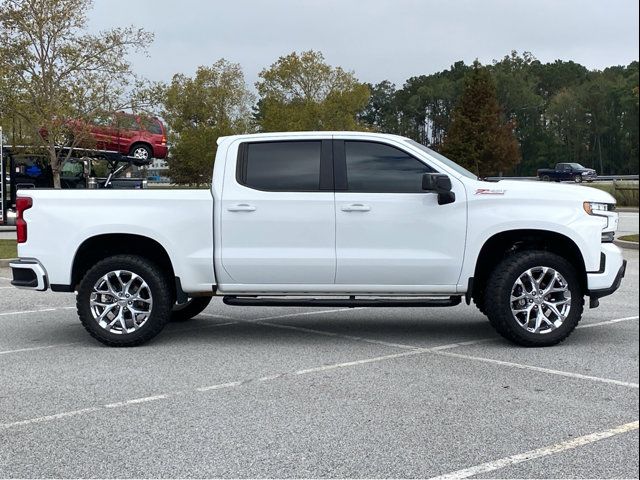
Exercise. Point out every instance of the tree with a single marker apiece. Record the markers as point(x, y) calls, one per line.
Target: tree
point(216, 102)
point(479, 138)
point(302, 92)
point(57, 77)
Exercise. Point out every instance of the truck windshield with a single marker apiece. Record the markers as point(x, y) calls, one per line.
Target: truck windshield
point(449, 163)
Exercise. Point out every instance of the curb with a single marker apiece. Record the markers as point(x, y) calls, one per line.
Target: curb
point(4, 262)
point(625, 244)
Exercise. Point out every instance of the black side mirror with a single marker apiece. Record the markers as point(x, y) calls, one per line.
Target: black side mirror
point(440, 184)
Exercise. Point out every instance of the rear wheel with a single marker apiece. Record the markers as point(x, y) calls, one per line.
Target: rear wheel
point(186, 311)
point(534, 298)
point(577, 178)
point(124, 301)
point(141, 151)
point(546, 178)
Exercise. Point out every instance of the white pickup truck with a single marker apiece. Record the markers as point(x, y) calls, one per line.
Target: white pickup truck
point(318, 219)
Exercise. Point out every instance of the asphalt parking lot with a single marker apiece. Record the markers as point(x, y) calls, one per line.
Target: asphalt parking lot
point(286, 392)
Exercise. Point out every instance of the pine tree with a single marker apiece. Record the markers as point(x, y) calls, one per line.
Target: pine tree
point(479, 138)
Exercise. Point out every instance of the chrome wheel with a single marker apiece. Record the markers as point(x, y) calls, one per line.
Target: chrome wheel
point(121, 302)
point(140, 152)
point(540, 300)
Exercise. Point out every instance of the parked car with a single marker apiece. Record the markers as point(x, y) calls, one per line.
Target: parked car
point(133, 135)
point(324, 219)
point(567, 172)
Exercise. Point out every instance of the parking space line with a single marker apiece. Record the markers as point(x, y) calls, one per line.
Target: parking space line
point(220, 386)
point(538, 369)
point(4, 314)
point(539, 452)
point(608, 322)
point(31, 349)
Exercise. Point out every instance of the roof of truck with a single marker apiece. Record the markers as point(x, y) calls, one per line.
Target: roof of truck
point(308, 134)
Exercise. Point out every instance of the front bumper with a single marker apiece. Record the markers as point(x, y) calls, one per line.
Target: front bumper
point(612, 271)
point(29, 275)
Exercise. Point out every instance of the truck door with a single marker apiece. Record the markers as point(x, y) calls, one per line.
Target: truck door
point(389, 232)
point(278, 214)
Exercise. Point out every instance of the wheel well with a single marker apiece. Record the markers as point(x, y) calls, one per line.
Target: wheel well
point(505, 243)
point(100, 247)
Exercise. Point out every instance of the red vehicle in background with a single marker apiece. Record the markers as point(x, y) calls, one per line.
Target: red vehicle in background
point(133, 135)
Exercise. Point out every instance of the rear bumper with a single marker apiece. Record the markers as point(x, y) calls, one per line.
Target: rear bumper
point(608, 280)
point(29, 275)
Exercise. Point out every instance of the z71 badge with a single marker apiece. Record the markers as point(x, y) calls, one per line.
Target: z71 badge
point(490, 191)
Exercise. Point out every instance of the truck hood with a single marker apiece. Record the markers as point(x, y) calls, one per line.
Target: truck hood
point(544, 190)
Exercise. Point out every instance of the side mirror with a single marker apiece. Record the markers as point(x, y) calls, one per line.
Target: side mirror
point(440, 184)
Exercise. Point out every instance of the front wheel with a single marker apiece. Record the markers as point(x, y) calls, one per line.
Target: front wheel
point(534, 298)
point(577, 179)
point(186, 311)
point(124, 301)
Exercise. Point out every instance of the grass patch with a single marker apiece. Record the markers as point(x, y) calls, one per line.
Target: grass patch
point(625, 193)
point(8, 249)
point(630, 238)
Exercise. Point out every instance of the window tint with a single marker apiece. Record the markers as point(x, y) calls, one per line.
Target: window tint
point(151, 125)
point(374, 167)
point(290, 166)
point(127, 122)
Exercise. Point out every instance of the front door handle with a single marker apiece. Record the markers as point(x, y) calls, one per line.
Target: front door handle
point(356, 207)
point(241, 207)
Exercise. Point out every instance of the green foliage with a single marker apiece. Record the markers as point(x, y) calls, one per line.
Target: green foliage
point(8, 249)
point(302, 92)
point(215, 103)
point(51, 70)
point(625, 193)
point(478, 137)
point(561, 111)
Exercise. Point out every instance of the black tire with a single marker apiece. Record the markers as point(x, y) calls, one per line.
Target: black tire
point(140, 147)
point(546, 178)
point(186, 311)
point(577, 179)
point(498, 294)
point(158, 287)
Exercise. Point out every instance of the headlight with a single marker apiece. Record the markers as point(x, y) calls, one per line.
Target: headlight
point(594, 208)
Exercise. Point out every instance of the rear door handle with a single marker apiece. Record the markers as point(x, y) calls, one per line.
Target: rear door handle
point(356, 207)
point(241, 207)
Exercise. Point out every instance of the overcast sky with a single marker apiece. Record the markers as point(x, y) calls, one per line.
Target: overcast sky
point(378, 39)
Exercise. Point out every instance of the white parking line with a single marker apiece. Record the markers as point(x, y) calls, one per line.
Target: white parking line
point(4, 314)
point(539, 452)
point(538, 369)
point(608, 322)
point(137, 401)
point(31, 349)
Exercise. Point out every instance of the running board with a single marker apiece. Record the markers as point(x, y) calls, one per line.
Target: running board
point(340, 302)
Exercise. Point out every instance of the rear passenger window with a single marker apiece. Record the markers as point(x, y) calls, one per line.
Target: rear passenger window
point(378, 168)
point(281, 166)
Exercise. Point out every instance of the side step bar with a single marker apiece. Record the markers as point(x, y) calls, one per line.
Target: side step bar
point(340, 302)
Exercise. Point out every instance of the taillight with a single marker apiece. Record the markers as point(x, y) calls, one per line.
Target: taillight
point(22, 204)
point(164, 140)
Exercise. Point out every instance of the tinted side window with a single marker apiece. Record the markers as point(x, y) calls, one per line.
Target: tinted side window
point(375, 167)
point(282, 166)
point(151, 125)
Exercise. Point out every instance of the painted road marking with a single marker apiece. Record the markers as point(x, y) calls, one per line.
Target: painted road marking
point(31, 349)
point(539, 452)
point(36, 311)
point(538, 369)
point(608, 322)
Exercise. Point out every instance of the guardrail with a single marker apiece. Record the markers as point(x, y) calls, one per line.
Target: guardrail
point(600, 178)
